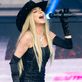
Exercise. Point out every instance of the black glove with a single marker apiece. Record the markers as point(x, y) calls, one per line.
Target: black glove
point(67, 42)
point(14, 68)
point(65, 26)
point(64, 43)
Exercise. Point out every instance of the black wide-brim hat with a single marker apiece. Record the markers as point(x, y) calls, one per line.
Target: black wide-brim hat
point(26, 9)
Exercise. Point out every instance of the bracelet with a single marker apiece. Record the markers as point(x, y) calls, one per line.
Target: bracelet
point(68, 37)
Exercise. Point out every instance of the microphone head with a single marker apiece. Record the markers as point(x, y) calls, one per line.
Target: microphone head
point(51, 15)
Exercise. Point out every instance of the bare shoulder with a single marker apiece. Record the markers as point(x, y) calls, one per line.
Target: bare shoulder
point(26, 38)
point(52, 34)
point(28, 35)
point(23, 44)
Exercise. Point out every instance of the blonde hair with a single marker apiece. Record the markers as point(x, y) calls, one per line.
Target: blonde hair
point(30, 25)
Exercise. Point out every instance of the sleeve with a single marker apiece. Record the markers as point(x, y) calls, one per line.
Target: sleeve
point(14, 68)
point(64, 43)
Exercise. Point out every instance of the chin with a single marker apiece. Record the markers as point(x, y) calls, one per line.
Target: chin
point(42, 22)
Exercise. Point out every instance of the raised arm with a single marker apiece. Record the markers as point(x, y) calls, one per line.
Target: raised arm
point(64, 43)
point(67, 41)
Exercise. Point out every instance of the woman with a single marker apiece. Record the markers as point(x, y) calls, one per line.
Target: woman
point(34, 45)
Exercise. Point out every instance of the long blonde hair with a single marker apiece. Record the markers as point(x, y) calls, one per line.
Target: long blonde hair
point(30, 25)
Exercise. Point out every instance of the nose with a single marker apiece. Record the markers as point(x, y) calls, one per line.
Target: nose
point(40, 11)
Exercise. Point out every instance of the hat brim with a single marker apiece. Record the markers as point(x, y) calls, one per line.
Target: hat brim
point(26, 9)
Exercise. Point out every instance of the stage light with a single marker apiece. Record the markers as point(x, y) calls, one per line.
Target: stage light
point(51, 7)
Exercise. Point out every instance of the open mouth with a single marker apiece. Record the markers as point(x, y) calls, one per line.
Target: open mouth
point(41, 17)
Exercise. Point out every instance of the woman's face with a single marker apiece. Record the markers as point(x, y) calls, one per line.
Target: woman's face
point(38, 15)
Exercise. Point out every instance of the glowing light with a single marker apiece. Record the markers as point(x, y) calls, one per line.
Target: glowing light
point(51, 7)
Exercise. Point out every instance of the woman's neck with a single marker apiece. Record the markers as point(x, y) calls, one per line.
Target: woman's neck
point(39, 29)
